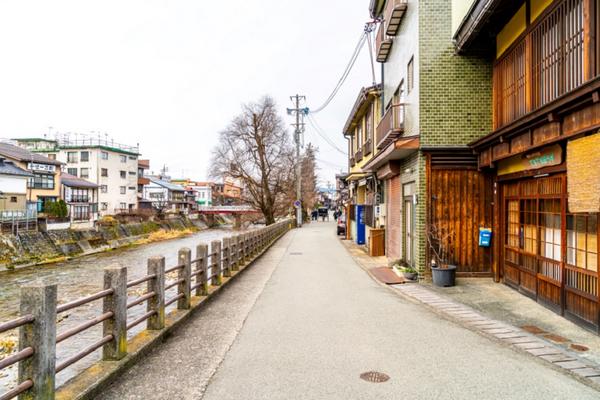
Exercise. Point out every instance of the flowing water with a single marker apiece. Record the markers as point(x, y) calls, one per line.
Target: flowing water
point(83, 276)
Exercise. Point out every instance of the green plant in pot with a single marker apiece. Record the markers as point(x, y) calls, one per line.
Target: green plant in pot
point(409, 273)
point(442, 272)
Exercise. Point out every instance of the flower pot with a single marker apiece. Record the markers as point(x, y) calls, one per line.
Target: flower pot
point(444, 277)
point(411, 276)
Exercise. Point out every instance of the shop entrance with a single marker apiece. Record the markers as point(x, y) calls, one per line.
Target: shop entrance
point(549, 254)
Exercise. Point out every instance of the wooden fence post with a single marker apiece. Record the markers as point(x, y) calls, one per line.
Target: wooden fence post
point(215, 249)
point(39, 300)
point(156, 266)
point(202, 255)
point(115, 278)
point(226, 261)
point(184, 257)
point(235, 241)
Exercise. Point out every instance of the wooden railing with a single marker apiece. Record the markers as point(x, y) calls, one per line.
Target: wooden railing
point(164, 286)
point(547, 63)
point(391, 125)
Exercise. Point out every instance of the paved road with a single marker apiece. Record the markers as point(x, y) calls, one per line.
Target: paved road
point(316, 325)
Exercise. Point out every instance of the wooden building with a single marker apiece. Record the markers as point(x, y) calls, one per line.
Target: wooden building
point(543, 152)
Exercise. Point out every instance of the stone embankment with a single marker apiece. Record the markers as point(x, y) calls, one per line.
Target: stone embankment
point(34, 248)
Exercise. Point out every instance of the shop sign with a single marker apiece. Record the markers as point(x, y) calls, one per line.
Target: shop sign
point(41, 167)
point(545, 157)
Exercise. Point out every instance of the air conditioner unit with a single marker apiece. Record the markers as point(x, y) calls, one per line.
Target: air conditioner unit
point(380, 210)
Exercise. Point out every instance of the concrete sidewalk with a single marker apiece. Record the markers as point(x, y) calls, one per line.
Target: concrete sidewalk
point(321, 321)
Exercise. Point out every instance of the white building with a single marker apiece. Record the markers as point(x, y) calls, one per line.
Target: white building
point(164, 195)
point(112, 166)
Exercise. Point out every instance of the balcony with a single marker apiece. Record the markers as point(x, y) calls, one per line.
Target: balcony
point(367, 147)
point(394, 13)
point(391, 126)
point(359, 155)
point(383, 44)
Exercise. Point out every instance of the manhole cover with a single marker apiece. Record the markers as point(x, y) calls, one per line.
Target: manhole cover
point(374, 376)
point(296, 253)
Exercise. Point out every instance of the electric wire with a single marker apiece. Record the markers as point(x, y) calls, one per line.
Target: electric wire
point(349, 66)
point(320, 132)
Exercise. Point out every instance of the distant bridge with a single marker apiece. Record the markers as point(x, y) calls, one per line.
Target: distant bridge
point(227, 210)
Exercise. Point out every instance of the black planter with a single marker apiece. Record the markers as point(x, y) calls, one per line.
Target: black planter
point(444, 277)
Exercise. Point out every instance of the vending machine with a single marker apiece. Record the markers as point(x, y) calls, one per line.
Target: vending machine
point(360, 225)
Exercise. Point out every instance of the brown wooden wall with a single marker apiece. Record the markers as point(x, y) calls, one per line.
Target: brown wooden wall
point(460, 202)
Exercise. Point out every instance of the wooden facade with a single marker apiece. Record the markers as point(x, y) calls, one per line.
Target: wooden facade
point(546, 94)
point(460, 203)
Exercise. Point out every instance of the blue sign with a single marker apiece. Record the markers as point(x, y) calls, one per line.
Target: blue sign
point(485, 237)
point(297, 204)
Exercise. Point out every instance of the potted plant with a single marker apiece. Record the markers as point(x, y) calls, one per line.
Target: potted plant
point(442, 272)
point(409, 273)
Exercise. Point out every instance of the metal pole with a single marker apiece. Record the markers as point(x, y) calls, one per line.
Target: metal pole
point(298, 132)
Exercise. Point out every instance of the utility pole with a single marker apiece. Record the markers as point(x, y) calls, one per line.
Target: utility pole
point(298, 131)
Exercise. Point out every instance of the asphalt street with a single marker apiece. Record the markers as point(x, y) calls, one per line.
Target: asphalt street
point(306, 321)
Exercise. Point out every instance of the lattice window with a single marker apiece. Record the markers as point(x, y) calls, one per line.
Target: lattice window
point(550, 229)
point(512, 233)
point(582, 241)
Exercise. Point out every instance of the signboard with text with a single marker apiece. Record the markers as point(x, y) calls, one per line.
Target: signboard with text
point(544, 157)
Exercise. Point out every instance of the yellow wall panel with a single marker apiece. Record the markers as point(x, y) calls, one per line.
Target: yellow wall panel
point(511, 31)
point(537, 7)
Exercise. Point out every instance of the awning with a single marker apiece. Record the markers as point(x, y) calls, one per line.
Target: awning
point(398, 150)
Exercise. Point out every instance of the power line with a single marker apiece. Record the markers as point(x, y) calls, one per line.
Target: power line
point(351, 62)
point(330, 163)
point(317, 128)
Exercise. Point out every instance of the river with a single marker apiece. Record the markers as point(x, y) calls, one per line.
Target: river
point(83, 276)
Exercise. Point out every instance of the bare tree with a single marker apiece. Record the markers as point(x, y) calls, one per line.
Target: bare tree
point(255, 149)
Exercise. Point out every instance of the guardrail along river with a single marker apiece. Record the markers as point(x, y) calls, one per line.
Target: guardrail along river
point(83, 276)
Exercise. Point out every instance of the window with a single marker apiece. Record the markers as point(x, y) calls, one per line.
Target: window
point(72, 171)
point(84, 173)
point(103, 172)
point(122, 189)
point(582, 241)
point(104, 155)
point(132, 173)
point(132, 158)
point(52, 156)
point(131, 187)
point(41, 181)
point(369, 124)
point(72, 157)
point(80, 213)
point(123, 206)
point(410, 75)
point(85, 156)
point(103, 189)
point(104, 206)
point(79, 196)
point(13, 199)
point(123, 174)
point(123, 159)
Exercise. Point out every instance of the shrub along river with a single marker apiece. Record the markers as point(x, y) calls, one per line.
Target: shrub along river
point(83, 276)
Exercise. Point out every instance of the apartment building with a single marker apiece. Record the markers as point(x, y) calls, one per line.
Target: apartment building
point(112, 166)
point(542, 151)
point(44, 186)
point(432, 105)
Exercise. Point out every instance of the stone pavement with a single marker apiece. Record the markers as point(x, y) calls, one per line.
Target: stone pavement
point(318, 323)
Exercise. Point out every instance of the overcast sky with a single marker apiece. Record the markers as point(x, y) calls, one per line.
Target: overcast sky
point(171, 74)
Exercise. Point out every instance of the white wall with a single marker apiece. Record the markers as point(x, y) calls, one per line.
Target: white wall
point(13, 184)
point(113, 198)
point(406, 45)
point(459, 10)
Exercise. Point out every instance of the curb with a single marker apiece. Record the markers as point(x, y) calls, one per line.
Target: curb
point(500, 332)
